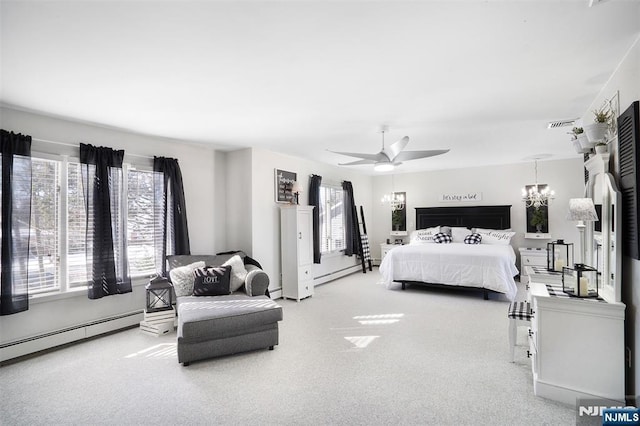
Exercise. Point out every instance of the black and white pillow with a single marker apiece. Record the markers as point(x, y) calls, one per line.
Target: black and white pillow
point(442, 238)
point(473, 239)
point(212, 281)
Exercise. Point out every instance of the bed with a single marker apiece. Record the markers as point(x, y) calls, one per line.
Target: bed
point(490, 265)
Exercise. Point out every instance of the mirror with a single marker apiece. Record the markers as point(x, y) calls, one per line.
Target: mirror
point(602, 239)
point(399, 214)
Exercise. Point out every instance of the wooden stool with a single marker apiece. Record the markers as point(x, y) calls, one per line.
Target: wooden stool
point(519, 314)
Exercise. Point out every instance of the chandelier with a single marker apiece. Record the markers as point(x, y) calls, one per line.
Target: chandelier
point(395, 200)
point(537, 195)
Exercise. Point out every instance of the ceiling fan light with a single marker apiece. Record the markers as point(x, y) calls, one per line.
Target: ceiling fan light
point(383, 167)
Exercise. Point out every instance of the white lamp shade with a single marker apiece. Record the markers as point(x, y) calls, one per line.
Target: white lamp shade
point(296, 188)
point(582, 209)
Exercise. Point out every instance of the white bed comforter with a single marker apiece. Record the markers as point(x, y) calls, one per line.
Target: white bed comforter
point(471, 265)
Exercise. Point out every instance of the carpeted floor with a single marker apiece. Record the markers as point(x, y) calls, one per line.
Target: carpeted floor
point(354, 353)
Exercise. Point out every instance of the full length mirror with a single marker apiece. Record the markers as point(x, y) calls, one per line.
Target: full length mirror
point(602, 249)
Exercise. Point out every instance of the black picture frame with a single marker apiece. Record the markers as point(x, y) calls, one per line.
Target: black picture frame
point(284, 181)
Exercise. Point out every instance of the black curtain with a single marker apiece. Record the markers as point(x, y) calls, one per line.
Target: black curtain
point(106, 249)
point(352, 229)
point(16, 221)
point(314, 200)
point(175, 233)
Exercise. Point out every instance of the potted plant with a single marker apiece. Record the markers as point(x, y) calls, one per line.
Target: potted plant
point(601, 148)
point(538, 219)
point(580, 140)
point(597, 131)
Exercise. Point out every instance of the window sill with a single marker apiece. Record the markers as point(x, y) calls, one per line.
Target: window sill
point(76, 292)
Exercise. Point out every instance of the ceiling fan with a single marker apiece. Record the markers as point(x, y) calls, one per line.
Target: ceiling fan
point(390, 157)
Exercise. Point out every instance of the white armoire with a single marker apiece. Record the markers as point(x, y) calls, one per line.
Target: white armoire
point(296, 229)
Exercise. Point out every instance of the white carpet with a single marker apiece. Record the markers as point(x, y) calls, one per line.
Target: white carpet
point(354, 353)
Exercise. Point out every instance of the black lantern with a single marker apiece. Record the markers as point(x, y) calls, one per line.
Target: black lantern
point(580, 281)
point(159, 295)
point(559, 255)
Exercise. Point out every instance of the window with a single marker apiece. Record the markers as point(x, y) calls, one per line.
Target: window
point(140, 222)
point(57, 233)
point(331, 219)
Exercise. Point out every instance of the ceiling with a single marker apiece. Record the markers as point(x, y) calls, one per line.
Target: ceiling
point(482, 78)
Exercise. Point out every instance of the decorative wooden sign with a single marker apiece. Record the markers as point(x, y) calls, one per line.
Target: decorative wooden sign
point(463, 197)
point(284, 182)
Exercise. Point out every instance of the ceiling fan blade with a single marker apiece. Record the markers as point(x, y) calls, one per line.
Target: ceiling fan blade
point(395, 148)
point(357, 163)
point(414, 155)
point(371, 157)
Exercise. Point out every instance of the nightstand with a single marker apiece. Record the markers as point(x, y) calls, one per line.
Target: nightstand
point(384, 249)
point(531, 257)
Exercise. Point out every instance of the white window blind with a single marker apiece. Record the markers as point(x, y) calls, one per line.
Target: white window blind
point(141, 222)
point(44, 257)
point(331, 219)
point(76, 228)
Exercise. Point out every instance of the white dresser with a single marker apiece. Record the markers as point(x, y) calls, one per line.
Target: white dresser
point(576, 347)
point(296, 228)
point(531, 257)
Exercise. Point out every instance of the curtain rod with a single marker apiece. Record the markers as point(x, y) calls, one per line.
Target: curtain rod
point(78, 146)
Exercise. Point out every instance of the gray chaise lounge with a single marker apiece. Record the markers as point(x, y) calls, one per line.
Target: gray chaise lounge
point(211, 326)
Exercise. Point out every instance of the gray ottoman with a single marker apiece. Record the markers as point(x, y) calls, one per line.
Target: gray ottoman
point(212, 326)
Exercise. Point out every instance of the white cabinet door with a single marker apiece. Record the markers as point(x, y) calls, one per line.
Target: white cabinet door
point(305, 242)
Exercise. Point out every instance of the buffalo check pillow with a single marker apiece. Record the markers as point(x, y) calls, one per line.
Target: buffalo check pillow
point(473, 239)
point(442, 238)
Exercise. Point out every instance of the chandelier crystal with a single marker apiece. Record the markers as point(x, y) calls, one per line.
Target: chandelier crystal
point(395, 201)
point(536, 196)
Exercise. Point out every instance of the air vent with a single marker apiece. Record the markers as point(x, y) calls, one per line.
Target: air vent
point(561, 123)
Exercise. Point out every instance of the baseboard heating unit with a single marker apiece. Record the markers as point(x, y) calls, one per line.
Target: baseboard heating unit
point(66, 335)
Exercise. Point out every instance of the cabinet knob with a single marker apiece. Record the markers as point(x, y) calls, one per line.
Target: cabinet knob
point(530, 333)
point(529, 354)
point(299, 235)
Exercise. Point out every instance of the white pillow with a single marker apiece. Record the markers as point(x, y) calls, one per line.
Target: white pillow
point(182, 278)
point(238, 272)
point(424, 236)
point(458, 234)
point(495, 236)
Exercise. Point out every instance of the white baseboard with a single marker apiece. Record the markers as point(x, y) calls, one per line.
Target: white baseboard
point(338, 274)
point(55, 338)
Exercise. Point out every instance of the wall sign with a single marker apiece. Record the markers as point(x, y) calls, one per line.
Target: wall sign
point(464, 197)
point(284, 182)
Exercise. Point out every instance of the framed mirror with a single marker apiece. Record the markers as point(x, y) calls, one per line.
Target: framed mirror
point(602, 237)
point(399, 214)
point(537, 218)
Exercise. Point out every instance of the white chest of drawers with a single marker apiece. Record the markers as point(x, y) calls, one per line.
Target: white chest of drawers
point(576, 347)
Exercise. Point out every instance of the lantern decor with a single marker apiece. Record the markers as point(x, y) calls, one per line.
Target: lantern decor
point(580, 281)
point(559, 255)
point(159, 295)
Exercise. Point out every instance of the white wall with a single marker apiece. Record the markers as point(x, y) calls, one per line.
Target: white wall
point(200, 166)
point(626, 81)
point(238, 201)
point(265, 220)
point(499, 185)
